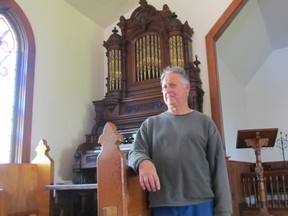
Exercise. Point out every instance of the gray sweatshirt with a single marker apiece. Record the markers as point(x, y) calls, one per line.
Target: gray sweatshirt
point(189, 158)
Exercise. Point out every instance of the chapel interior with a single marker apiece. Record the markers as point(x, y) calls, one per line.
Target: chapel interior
point(246, 48)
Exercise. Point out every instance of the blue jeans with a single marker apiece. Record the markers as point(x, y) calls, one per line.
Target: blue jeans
point(202, 209)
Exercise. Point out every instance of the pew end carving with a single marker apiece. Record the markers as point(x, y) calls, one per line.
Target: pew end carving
point(23, 185)
point(119, 191)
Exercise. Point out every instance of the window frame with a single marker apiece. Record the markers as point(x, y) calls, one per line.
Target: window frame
point(22, 125)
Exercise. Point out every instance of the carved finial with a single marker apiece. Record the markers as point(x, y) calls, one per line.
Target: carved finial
point(174, 15)
point(115, 31)
point(143, 2)
point(110, 135)
point(42, 150)
point(196, 62)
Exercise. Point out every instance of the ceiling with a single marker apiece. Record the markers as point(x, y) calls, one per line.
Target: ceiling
point(104, 12)
point(261, 27)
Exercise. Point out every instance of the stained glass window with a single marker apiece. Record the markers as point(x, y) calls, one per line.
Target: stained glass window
point(8, 62)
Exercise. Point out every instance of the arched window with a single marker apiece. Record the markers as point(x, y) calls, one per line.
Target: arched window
point(17, 60)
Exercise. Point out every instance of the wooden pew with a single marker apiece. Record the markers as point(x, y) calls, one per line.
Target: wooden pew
point(23, 185)
point(3, 209)
point(119, 191)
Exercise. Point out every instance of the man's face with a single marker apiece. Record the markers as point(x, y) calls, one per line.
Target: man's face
point(174, 92)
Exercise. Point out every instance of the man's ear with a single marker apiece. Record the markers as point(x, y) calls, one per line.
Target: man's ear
point(187, 88)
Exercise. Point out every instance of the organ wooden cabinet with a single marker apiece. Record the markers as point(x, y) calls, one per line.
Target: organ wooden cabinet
point(138, 49)
point(147, 42)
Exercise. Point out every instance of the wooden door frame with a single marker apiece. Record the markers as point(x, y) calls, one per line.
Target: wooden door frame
point(211, 38)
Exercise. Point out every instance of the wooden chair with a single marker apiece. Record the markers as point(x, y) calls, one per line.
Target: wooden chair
point(119, 190)
point(23, 185)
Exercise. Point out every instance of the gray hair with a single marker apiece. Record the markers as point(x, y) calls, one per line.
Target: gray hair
point(175, 70)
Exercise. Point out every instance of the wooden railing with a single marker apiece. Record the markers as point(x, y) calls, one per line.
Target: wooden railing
point(276, 189)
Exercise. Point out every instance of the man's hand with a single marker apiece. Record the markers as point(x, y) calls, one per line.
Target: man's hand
point(148, 176)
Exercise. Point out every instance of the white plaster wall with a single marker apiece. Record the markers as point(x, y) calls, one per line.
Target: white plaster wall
point(266, 99)
point(234, 112)
point(68, 76)
point(262, 103)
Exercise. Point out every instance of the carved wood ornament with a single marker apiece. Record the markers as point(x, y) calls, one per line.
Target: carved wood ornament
point(150, 40)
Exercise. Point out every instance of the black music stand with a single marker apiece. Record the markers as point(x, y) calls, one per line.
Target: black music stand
point(256, 139)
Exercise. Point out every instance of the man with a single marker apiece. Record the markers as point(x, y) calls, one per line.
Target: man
point(179, 156)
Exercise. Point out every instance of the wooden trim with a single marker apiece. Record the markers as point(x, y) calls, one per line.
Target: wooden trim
point(25, 31)
point(213, 35)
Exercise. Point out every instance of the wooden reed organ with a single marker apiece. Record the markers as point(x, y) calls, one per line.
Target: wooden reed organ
point(150, 40)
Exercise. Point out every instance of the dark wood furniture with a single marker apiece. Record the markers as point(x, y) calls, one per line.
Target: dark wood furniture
point(244, 184)
point(257, 139)
point(149, 41)
point(74, 199)
point(234, 170)
point(275, 186)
